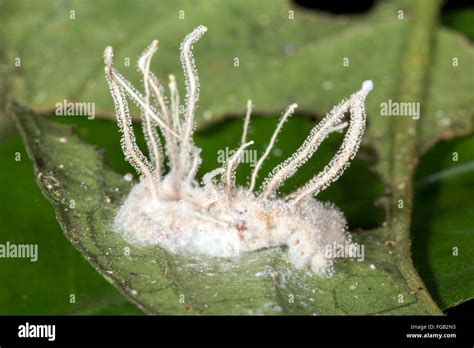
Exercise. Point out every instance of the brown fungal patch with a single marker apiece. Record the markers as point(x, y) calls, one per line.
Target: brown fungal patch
point(241, 227)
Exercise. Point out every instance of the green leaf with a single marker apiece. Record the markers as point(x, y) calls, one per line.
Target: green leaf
point(257, 283)
point(268, 44)
point(44, 286)
point(442, 224)
point(48, 78)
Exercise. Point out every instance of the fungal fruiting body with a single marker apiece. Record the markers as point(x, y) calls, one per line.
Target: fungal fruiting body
point(215, 217)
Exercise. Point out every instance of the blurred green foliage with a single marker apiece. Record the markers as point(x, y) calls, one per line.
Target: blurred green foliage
point(442, 229)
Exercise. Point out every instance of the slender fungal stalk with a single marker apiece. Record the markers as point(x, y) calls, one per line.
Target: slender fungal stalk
point(231, 167)
point(246, 122)
point(286, 114)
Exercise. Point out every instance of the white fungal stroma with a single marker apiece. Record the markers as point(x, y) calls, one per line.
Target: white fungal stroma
point(216, 218)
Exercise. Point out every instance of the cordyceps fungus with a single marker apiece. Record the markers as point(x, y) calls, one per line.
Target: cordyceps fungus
point(215, 217)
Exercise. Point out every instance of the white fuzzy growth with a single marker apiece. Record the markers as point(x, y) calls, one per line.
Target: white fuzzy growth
point(146, 56)
point(192, 223)
point(339, 127)
point(132, 153)
point(208, 177)
point(195, 165)
point(140, 102)
point(151, 136)
point(318, 134)
point(217, 218)
point(367, 86)
point(151, 81)
point(192, 92)
point(345, 154)
point(285, 170)
point(108, 55)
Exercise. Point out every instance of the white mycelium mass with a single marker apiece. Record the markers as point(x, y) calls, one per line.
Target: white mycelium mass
point(215, 217)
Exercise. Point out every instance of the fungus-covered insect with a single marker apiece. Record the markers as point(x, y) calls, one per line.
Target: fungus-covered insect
point(216, 218)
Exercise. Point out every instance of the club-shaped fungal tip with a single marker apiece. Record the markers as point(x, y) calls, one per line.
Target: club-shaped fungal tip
point(108, 55)
point(367, 86)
